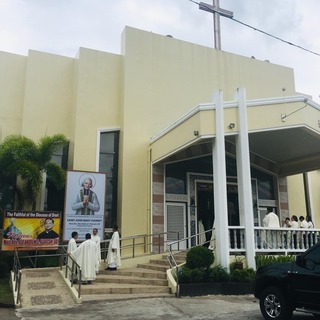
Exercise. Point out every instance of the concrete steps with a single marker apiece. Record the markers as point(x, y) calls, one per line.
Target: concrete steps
point(147, 278)
point(122, 288)
point(138, 278)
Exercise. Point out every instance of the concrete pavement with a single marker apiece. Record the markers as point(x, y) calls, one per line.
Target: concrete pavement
point(215, 307)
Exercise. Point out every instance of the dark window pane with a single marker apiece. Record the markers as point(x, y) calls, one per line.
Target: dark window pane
point(108, 163)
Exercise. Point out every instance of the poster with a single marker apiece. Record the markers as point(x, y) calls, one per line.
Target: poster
point(31, 229)
point(84, 203)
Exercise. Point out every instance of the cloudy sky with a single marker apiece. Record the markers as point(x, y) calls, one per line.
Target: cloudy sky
point(62, 26)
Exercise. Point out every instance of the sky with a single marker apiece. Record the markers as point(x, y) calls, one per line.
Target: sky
point(63, 26)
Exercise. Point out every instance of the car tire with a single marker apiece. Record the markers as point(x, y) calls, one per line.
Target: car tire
point(273, 305)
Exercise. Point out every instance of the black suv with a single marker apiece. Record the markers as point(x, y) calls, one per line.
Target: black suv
point(285, 287)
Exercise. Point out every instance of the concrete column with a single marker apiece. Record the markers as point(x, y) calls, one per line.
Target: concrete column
point(244, 178)
point(220, 186)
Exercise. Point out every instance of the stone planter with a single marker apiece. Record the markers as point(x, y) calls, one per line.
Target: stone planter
point(224, 288)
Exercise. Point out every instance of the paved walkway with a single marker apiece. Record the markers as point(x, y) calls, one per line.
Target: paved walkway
point(198, 308)
point(44, 287)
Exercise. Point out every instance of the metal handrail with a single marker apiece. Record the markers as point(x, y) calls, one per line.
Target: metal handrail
point(171, 259)
point(17, 274)
point(145, 241)
point(63, 260)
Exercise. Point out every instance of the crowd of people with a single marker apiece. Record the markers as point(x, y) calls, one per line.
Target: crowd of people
point(88, 255)
point(292, 238)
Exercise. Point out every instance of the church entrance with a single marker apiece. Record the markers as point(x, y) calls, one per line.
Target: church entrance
point(205, 206)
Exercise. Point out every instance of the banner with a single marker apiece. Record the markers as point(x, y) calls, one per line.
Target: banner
point(31, 229)
point(84, 203)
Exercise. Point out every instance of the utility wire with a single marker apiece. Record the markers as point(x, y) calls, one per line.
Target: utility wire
point(266, 33)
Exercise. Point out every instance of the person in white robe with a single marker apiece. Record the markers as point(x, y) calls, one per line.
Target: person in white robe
point(72, 245)
point(86, 257)
point(96, 238)
point(113, 257)
point(271, 220)
point(201, 232)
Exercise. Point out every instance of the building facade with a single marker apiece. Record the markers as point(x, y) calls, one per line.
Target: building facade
point(184, 133)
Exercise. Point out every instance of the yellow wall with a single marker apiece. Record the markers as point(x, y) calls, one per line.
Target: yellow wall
point(314, 180)
point(48, 95)
point(12, 84)
point(97, 103)
point(296, 195)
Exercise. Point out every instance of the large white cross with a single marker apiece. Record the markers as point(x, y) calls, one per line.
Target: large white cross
point(217, 11)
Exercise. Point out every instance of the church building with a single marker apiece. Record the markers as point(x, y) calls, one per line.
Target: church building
point(184, 133)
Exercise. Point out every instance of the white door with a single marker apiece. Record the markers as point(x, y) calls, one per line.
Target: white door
point(176, 223)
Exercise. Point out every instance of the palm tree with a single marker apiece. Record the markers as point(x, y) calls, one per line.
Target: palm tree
point(23, 162)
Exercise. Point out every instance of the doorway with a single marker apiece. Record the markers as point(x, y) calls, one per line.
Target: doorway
point(205, 206)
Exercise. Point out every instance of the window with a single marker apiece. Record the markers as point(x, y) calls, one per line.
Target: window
point(54, 198)
point(108, 163)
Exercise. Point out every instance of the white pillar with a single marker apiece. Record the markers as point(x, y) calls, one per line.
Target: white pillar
point(220, 186)
point(244, 178)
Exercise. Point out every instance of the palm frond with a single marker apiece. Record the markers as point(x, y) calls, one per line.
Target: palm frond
point(48, 146)
point(56, 174)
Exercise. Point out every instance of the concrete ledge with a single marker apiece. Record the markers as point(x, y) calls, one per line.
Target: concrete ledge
point(74, 292)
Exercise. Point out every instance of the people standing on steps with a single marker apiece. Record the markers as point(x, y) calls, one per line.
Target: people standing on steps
point(113, 257)
point(96, 238)
point(86, 257)
point(72, 245)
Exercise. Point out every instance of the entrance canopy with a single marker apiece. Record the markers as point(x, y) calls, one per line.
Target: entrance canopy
point(284, 134)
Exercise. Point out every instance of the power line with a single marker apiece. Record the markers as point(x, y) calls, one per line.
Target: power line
point(259, 30)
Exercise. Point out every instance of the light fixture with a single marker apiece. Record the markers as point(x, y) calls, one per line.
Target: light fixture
point(196, 133)
point(231, 125)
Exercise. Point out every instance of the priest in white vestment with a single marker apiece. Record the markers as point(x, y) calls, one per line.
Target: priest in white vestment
point(113, 257)
point(86, 257)
point(72, 245)
point(272, 238)
point(96, 238)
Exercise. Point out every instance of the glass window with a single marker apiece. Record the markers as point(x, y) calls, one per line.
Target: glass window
point(54, 198)
point(108, 163)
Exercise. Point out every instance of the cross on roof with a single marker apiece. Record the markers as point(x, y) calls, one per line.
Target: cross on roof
point(217, 11)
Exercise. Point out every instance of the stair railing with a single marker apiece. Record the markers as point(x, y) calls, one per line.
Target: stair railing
point(172, 252)
point(32, 258)
point(17, 274)
point(142, 244)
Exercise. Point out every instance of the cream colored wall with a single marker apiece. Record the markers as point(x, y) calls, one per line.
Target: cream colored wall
point(48, 95)
point(164, 79)
point(314, 180)
point(97, 103)
point(296, 195)
point(12, 84)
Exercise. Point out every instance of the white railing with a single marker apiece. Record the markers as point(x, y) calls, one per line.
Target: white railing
point(282, 240)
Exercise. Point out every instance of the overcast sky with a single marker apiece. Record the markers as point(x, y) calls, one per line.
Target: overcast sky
point(62, 26)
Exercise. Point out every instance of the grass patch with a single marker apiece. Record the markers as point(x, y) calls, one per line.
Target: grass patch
point(6, 295)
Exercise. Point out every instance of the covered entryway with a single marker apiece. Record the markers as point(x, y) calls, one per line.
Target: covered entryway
point(256, 136)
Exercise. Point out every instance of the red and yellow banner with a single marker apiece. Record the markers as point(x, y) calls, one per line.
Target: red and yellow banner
point(30, 229)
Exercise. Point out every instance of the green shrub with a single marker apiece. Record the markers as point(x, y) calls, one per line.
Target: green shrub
point(218, 274)
point(267, 260)
point(6, 263)
point(187, 275)
point(199, 257)
point(4, 269)
point(242, 275)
